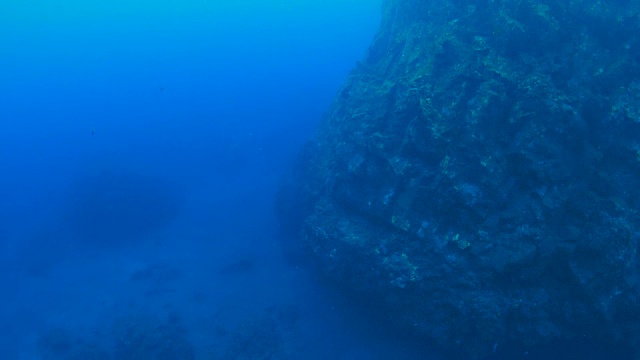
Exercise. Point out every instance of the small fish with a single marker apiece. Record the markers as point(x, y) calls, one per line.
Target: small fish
point(160, 292)
point(239, 266)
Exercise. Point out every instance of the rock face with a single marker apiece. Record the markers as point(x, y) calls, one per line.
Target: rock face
point(477, 175)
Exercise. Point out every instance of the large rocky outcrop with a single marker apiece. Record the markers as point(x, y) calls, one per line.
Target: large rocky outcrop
point(477, 175)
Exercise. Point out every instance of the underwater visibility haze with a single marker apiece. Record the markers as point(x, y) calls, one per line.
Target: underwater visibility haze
point(397, 179)
point(140, 150)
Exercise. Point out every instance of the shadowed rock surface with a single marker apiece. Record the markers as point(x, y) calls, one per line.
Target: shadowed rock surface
point(476, 177)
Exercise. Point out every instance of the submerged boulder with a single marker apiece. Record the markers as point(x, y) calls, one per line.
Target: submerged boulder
point(476, 177)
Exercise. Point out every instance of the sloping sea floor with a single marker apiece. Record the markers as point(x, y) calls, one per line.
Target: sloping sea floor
point(211, 284)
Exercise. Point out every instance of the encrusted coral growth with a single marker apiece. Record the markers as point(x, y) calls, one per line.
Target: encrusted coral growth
point(479, 169)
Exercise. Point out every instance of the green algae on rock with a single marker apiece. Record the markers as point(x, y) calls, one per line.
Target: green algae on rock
point(476, 176)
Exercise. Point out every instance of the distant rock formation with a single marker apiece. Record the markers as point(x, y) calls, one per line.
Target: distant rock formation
point(478, 174)
point(111, 208)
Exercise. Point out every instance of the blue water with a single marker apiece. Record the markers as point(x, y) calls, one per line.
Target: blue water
point(141, 146)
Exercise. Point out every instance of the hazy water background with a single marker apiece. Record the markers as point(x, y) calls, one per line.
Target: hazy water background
point(182, 116)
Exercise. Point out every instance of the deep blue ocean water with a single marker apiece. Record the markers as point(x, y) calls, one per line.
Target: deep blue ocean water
point(141, 147)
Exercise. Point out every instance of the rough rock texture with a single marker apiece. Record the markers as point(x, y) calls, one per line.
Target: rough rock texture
point(477, 175)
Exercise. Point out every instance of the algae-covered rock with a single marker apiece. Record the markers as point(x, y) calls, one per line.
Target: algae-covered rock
point(477, 174)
